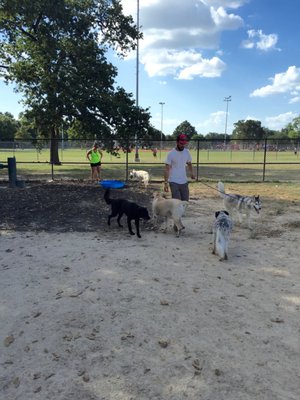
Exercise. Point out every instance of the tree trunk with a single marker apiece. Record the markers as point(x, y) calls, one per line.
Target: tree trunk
point(54, 156)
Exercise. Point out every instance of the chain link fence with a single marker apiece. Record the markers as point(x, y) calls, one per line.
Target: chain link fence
point(238, 160)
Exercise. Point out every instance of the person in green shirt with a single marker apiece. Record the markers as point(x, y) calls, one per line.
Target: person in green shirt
point(94, 155)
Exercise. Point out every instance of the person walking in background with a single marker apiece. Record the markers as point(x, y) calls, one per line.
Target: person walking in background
point(175, 169)
point(154, 151)
point(94, 155)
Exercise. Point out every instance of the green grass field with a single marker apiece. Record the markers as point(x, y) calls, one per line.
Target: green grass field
point(230, 165)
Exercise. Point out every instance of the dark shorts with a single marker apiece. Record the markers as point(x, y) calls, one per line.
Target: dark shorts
point(97, 164)
point(180, 191)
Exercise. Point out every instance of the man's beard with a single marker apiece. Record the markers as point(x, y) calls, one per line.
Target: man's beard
point(180, 149)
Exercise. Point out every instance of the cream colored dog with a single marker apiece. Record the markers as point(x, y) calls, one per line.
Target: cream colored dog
point(168, 208)
point(140, 176)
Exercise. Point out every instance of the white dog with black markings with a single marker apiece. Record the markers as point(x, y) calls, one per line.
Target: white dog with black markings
point(140, 175)
point(169, 209)
point(241, 205)
point(222, 230)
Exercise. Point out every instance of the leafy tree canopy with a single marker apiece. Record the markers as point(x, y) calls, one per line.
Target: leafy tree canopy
point(216, 136)
point(8, 126)
point(197, 136)
point(55, 51)
point(250, 129)
point(293, 129)
point(186, 128)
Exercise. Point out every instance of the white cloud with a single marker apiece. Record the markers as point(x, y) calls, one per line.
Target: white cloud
point(212, 68)
point(177, 31)
point(260, 41)
point(280, 121)
point(225, 21)
point(225, 3)
point(169, 124)
point(215, 123)
point(251, 118)
point(181, 64)
point(294, 100)
point(284, 82)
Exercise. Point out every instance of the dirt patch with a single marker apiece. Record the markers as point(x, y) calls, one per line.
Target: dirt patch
point(91, 312)
point(60, 206)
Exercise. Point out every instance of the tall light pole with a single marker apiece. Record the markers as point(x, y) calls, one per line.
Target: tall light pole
point(161, 124)
point(227, 99)
point(137, 158)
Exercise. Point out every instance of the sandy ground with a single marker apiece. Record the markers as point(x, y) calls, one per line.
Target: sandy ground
point(103, 315)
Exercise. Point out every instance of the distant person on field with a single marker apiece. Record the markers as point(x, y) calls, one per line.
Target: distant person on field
point(295, 151)
point(175, 169)
point(94, 155)
point(154, 151)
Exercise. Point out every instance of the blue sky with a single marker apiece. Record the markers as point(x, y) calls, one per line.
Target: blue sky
point(197, 52)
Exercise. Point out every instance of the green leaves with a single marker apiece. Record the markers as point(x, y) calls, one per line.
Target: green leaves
point(250, 129)
point(55, 52)
point(8, 126)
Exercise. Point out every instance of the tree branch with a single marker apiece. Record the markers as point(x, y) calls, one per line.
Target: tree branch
point(28, 34)
point(37, 22)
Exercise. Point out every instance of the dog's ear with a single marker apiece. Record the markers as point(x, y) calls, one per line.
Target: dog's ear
point(217, 213)
point(226, 212)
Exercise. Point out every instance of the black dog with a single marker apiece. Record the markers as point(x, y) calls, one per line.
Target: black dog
point(132, 210)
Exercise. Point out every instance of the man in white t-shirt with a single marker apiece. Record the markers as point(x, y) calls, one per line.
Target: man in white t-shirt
point(175, 170)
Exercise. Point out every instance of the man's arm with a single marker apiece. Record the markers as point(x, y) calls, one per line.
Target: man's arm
point(190, 168)
point(166, 177)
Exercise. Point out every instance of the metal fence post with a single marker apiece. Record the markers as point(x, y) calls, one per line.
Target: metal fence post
point(12, 171)
point(127, 152)
point(198, 158)
point(265, 158)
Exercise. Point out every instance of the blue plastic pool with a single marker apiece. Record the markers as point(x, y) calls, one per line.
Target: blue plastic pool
point(111, 184)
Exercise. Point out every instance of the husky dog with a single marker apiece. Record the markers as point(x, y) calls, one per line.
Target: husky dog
point(222, 230)
point(169, 208)
point(140, 176)
point(242, 205)
point(132, 210)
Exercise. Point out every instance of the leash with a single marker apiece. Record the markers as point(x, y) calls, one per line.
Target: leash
point(217, 190)
point(241, 199)
point(211, 187)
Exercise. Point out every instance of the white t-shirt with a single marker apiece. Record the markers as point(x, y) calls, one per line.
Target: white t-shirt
point(177, 161)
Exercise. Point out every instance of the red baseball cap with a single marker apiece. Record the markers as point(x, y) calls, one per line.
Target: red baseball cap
point(182, 139)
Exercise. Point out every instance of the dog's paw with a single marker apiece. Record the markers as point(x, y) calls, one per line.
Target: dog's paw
point(132, 233)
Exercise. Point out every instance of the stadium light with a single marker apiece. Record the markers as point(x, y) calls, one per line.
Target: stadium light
point(137, 158)
point(227, 99)
point(161, 125)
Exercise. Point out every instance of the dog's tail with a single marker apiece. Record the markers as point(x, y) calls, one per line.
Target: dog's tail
point(221, 189)
point(106, 196)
